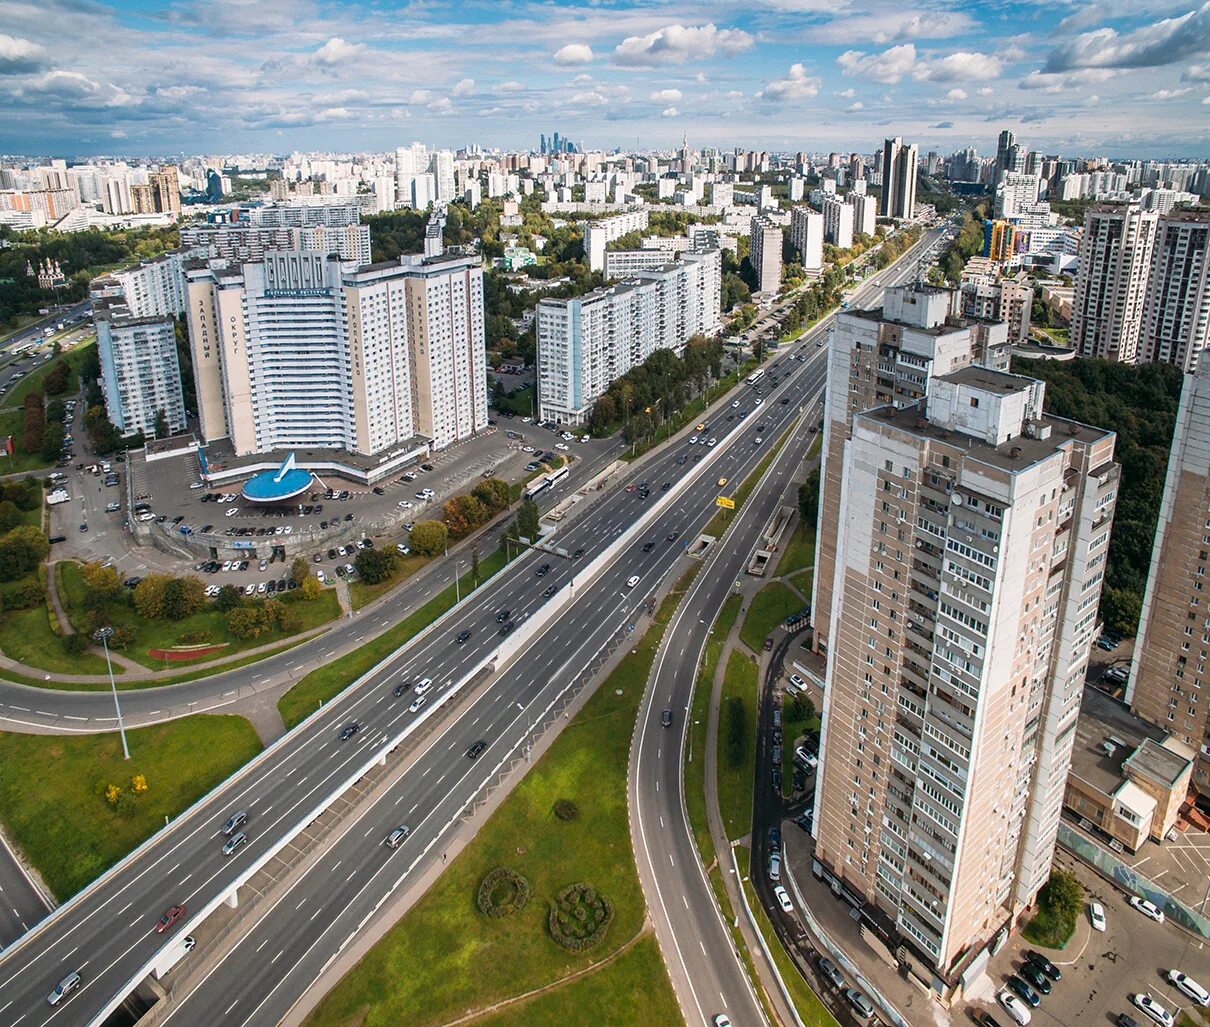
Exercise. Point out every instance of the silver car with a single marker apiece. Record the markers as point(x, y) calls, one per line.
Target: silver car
point(64, 988)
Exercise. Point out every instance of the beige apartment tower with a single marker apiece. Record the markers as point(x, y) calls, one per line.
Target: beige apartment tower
point(886, 356)
point(1168, 678)
point(963, 605)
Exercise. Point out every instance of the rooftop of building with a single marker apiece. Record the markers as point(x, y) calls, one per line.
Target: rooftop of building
point(951, 324)
point(1105, 724)
point(221, 456)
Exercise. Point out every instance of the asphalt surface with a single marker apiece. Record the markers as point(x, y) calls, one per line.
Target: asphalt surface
point(107, 932)
point(21, 904)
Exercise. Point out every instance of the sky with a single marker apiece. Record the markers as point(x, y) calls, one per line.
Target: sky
point(1121, 78)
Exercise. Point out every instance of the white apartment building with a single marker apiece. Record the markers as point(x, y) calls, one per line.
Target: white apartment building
point(1115, 261)
point(598, 234)
point(330, 212)
point(248, 242)
point(302, 351)
point(837, 222)
point(765, 253)
point(1016, 193)
point(586, 342)
point(1176, 312)
point(988, 295)
point(619, 263)
point(722, 194)
point(899, 178)
point(140, 372)
point(963, 603)
point(154, 288)
point(806, 233)
point(865, 210)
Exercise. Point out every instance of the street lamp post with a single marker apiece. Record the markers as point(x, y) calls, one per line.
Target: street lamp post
point(457, 583)
point(102, 635)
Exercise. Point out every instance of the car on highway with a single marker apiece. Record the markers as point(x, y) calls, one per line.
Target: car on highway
point(1186, 984)
point(666, 717)
point(783, 899)
point(830, 972)
point(417, 704)
point(399, 689)
point(543, 570)
point(506, 629)
point(171, 915)
point(396, 837)
point(236, 820)
point(757, 441)
point(1096, 916)
point(672, 536)
point(632, 581)
point(503, 615)
point(721, 1020)
point(648, 546)
point(234, 842)
point(722, 482)
point(64, 988)
point(424, 685)
point(1147, 908)
point(349, 731)
point(774, 866)
point(1153, 1009)
point(862, 1007)
point(463, 636)
point(550, 590)
point(1023, 990)
point(1015, 1008)
point(476, 750)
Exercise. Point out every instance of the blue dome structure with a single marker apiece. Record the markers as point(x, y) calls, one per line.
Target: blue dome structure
point(286, 483)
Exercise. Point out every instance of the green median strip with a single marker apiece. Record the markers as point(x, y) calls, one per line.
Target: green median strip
point(565, 823)
point(770, 606)
point(329, 681)
point(737, 744)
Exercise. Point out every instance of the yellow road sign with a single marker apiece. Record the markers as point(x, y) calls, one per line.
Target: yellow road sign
point(726, 502)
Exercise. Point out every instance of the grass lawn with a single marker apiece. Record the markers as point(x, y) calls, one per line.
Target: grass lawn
point(52, 807)
point(163, 634)
point(695, 770)
point(522, 402)
point(632, 991)
point(811, 1009)
point(321, 685)
point(770, 606)
point(32, 382)
point(469, 960)
point(799, 553)
point(27, 637)
point(736, 776)
point(361, 594)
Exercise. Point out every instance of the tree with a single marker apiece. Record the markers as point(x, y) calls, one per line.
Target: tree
point(105, 583)
point(475, 564)
point(57, 379)
point(228, 598)
point(161, 423)
point(21, 550)
point(149, 596)
point(56, 411)
point(182, 598)
point(299, 571)
point(33, 423)
point(52, 442)
point(376, 565)
point(10, 516)
point(311, 588)
point(493, 494)
point(429, 537)
point(808, 500)
point(1064, 894)
point(101, 432)
point(463, 514)
point(526, 524)
point(249, 621)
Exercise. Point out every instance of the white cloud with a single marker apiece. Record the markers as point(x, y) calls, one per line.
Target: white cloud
point(1170, 94)
point(420, 96)
point(666, 96)
point(963, 66)
point(1206, 101)
point(956, 94)
point(442, 105)
point(19, 55)
point(1047, 82)
point(463, 87)
point(582, 80)
point(574, 53)
point(853, 108)
point(338, 51)
point(885, 27)
point(593, 98)
point(670, 112)
point(512, 86)
point(178, 92)
point(80, 90)
point(1151, 46)
point(796, 85)
point(677, 44)
point(986, 91)
point(1196, 73)
point(889, 66)
point(848, 94)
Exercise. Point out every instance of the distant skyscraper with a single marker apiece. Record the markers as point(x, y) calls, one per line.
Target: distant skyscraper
point(898, 178)
point(1115, 260)
point(1176, 313)
point(1169, 684)
point(1006, 142)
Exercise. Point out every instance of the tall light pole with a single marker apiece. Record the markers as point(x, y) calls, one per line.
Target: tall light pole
point(457, 583)
point(102, 635)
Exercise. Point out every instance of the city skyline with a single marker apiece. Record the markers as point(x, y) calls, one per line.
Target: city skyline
point(1099, 77)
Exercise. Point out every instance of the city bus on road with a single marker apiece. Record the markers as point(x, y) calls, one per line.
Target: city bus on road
point(756, 376)
point(555, 477)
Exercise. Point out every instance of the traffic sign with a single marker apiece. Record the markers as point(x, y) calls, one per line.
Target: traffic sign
point(726, 502)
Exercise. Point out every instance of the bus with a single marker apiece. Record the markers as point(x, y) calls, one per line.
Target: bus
point(756, 376)
point(539, 484)
point(555, 477)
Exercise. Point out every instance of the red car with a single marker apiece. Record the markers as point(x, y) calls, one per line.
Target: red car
point(170, 917)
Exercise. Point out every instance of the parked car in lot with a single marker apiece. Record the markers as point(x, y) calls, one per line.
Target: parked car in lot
point(1153, 1009)
point(1188, 986)
point(1045, 965)
point(1023, 990)
point(774, 867)
point(783, 899)
point(1036, 978)
point(1096, 916)
point(1015, 1008)
point(830, 972)
point(862, 1006)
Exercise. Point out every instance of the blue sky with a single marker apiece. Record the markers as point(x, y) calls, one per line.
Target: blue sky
point(1115, 77)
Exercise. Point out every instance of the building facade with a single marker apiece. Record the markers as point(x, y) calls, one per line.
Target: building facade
point(1168, 674)
point(765, 253)
point(1176, 313)
point(964, 601)
point(598, 234)
point(988, 295)
point(898, 178)
point(837, 222)
point(806, 233)
point(140, 371)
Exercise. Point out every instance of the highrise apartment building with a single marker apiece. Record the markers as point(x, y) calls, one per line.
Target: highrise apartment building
point(1176, 312)
point(964, 601)
point(837, 222)
point(898, 178)
point(1168, 677)
point(988, 295)
point(598, 234)
point(1115, 261)
point(587, 342)
point(764, 252)
point(304, 351)
point(241, 241)
point(886, 356)
point(865, 213)
point(806, 233)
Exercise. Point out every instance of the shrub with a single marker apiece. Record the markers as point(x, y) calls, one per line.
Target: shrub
point(196, 637)
point(429, 537)
point(75, 643)
point(502, 892)
point(579, 917)
point(566, 810)
point(25, 596)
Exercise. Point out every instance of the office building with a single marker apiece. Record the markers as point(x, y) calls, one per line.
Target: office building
point(1168, 683)
point(1004, 145)
point(1115, 261)
point(898, 178)
point(806, 233)
point(587, 342)
point(837, 222)
point(1176, 312)
point(888, 355)
point(598, 234)
point(964, 602)
point(303, 351)
point(765, 254)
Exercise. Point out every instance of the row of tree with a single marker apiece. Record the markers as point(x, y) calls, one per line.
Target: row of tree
point(463, 514)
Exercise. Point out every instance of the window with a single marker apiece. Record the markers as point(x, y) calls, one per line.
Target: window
point(974, 401)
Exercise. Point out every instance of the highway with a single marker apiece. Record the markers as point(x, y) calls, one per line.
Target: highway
point(107, 933)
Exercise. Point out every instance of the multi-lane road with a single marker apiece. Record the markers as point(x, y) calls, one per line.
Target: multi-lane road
point(107, 933)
